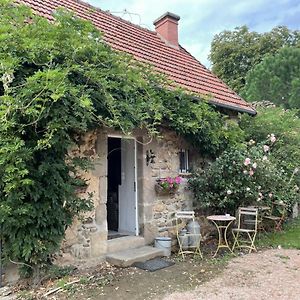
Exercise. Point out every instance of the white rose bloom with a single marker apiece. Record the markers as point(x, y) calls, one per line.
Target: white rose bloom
point(266, 148)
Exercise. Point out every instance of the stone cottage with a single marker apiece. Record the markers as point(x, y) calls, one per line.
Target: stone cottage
point(126, 168)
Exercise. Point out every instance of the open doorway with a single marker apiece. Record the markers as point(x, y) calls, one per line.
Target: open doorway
point(121, 187)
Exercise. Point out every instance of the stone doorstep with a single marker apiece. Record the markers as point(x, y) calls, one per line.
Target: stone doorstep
point(124, 243)
point(128, 257)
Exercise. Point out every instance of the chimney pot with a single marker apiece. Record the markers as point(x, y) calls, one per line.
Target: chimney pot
point(167, 28)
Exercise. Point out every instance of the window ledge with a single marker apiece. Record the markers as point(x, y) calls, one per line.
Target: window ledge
point(185, 174)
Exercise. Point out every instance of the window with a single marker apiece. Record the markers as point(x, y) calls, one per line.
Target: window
point(184, 161)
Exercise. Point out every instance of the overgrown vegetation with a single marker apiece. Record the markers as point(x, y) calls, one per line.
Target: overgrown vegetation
point(247, 175)
point(285, 125)
point(57, 81)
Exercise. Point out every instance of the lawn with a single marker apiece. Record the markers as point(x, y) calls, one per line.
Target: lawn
point(288, 238)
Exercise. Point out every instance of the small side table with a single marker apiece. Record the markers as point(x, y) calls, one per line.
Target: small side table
point(222, 222)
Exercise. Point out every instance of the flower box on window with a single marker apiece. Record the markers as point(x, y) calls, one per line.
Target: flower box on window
point(167, 186)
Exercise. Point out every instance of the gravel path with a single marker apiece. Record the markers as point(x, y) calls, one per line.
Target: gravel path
point(270, 274)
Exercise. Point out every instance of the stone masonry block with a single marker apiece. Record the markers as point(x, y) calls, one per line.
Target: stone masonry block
point(98, 244)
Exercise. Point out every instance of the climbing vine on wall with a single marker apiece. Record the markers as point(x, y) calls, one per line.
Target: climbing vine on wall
point(57, 81)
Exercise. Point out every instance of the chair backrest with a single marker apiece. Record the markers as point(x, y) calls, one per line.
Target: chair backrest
point(279, 210)
point(185, 214)
point(247, 218)
point(182, 217)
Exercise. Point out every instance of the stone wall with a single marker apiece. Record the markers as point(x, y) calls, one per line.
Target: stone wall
point(87, 238)
point(160, 221)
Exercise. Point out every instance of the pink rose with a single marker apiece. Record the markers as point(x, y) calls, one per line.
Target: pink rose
point(273, 138)
point(178, 180)
point(170, 180)
point(247, 161)
point(251, 172)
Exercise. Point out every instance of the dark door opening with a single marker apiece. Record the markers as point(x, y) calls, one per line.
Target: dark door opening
point(113, 182)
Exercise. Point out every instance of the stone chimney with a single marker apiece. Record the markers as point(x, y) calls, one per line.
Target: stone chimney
point(167, 28)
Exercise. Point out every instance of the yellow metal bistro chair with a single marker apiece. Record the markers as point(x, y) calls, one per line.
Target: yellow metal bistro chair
point(245, 233)
point(182, 218)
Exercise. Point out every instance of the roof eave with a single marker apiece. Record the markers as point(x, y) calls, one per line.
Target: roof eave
point(235, 108)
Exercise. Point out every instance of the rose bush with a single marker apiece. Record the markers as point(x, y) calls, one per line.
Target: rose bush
point(285, 126)
point(244, 176)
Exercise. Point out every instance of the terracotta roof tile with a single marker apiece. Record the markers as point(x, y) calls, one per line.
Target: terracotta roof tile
point(145, 45)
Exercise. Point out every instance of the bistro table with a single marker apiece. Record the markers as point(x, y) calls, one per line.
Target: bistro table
point(222, 222)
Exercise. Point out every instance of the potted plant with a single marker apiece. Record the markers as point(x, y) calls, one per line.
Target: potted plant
point(168, 185)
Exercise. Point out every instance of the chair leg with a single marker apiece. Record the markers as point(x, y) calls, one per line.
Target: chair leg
point(252, 240)
point(198, 251)
point(278, 225)
point(180, 252)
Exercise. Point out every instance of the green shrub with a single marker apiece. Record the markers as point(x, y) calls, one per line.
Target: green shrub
point(285, 125)
point(244, 176)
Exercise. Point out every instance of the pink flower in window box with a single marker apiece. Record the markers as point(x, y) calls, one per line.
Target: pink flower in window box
point(167, 185)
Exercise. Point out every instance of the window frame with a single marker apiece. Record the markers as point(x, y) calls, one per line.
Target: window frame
point(184, 161)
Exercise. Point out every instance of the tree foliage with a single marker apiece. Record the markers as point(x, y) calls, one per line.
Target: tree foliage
point(57, 81)
point(235, 53)
point(276, 78)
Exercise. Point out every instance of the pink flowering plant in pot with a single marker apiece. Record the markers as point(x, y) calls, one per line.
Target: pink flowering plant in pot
point(168, 185)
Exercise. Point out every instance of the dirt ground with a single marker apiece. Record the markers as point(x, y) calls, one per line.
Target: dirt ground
point(136, 284)
point(270, 274)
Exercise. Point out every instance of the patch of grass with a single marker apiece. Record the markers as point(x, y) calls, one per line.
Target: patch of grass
point(288, 238)
point(221, 260)
point(56, 272)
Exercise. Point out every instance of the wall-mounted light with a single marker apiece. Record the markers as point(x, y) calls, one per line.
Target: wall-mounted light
point(150, 157)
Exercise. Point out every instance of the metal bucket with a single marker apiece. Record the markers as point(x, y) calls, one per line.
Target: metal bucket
point(164, 243)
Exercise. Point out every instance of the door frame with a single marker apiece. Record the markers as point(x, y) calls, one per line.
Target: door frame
point(135, 175)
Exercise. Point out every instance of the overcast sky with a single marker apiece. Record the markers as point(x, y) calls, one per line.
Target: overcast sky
point(202, 19)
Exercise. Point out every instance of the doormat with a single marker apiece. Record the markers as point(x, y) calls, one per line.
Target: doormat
point(154, 264)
